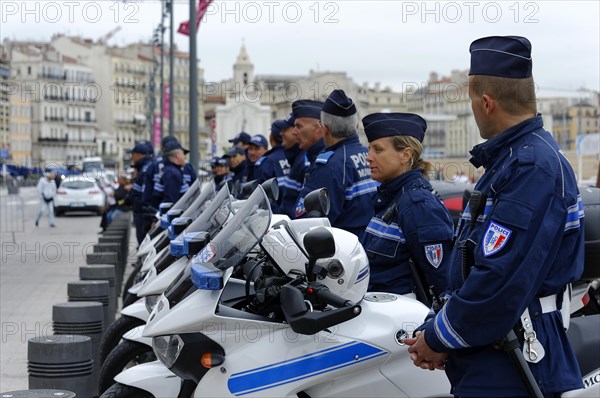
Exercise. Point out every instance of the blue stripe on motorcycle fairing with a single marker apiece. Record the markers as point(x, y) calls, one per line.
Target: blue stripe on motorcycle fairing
point(301, 367)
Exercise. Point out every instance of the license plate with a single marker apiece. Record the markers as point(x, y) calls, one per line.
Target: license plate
point(77, 204)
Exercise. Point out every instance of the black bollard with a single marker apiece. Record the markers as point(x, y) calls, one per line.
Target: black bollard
point(83, 318)
point(106, 258)
point(101, 272)
point(115, 248)
point(92, 291)
point(38, 394)
point(61, 362)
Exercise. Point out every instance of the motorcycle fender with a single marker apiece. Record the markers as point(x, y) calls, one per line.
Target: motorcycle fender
point(135, 334)
point(149, 260)
point(135, 288)
point(136, 310)
point(153, 377)
point(591, 386)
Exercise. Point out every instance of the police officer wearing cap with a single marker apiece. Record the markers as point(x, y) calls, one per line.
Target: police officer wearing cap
point(257, 148)
point(238, 164)
point(342, 168)
point(220, 170)
point(141, 158)
point(412, 227)
point(154, 172)
point(519, 242)
point(172, 184)
point(241, 140)
point(291, 184)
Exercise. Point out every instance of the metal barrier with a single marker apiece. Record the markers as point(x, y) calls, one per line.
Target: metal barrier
point(12, 214)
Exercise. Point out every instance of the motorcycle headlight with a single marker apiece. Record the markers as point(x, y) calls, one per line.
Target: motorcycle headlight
point(167, 348)
point(151, 301)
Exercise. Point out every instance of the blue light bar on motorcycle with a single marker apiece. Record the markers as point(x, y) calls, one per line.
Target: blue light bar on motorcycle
point(164, 222)
point(177, 248)
point(205, 277)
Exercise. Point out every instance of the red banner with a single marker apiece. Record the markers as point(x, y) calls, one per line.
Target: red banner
point(166, 102)
point(184, 27)
point(157, 129)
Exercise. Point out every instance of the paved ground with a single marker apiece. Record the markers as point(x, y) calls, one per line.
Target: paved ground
point(35, 266)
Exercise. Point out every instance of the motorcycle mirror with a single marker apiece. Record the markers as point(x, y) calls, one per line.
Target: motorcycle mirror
point(271, 188)
point(319, 243)
point(248, 188)
point(317, 203)
point(164, 207)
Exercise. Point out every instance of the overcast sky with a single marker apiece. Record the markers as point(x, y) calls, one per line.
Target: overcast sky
point(397, 43)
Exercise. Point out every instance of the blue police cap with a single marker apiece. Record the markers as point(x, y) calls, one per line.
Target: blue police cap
point(218, 161)
point(278, 126)
point(167, 139)
point(307, 108)
point(141, 148)
point(502, 56)
point(173, 145)
point(259, 140)
point(378, 125)
point(241, 137)
point(290, 119)
point(234, 151)
point(338, 104)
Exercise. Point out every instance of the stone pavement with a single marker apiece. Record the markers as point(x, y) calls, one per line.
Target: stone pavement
point(34, 271)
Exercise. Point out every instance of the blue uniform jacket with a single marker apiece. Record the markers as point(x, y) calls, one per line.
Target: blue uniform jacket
point(411, 222)
point(344, 171)
point(152, 176)
point(291, 184)
point(171, 185)
point(135, 197)
point(528, 244)
point(272, 164)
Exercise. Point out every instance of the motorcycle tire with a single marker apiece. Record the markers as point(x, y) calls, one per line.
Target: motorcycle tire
point(119, 390)
point(132, 278)
point(129, 299)
point(126, 354)
point(113, 335)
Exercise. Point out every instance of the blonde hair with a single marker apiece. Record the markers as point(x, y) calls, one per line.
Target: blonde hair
point(402, 142)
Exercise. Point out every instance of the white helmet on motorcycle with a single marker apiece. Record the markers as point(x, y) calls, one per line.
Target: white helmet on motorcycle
point(348, 270)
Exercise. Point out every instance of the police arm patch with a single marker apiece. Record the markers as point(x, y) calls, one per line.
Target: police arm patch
point(434, 254)
point(300, 207)
point(495, 238)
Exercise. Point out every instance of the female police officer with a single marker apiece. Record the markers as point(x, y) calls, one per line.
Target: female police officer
point(411, 224)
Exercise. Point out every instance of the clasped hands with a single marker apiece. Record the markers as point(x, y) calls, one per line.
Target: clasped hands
point(423, 356)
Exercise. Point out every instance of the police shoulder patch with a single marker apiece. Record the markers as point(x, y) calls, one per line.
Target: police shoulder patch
point(434, 254)
point(300, 210)
point(495, 238)
point(324, 157)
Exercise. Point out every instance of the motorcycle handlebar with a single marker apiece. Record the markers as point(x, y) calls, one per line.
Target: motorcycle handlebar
point(325, 296)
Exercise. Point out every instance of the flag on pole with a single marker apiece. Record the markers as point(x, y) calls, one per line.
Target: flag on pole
point(184, 27)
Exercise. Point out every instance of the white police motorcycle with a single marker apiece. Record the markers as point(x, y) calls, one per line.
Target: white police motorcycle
point(292, 327)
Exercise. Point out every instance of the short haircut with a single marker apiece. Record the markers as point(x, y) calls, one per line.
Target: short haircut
point(340, 126)
point(515, 96)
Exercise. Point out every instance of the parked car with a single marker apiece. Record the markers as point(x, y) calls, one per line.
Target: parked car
point(454, 195)
point(78, 193)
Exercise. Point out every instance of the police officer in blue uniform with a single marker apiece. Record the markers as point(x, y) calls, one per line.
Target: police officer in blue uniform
point(342, 168)
point(141, 158)
point(273, 163)
point(291, 184)
point(238, 164)
point(172, 184)
point(257, 148)
point(519, 242)
point(220, 170)
point(412, 227)
point(154, 172)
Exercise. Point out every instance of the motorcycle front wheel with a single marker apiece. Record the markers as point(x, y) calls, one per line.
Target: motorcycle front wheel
point(122, 391)
point(113, 335)
point(125, 355)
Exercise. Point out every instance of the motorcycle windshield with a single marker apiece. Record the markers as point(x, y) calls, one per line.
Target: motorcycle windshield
point(215, 214)
point(207, 192)
point(240, 235)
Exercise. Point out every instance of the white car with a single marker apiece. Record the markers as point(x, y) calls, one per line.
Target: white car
point(78, 193)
